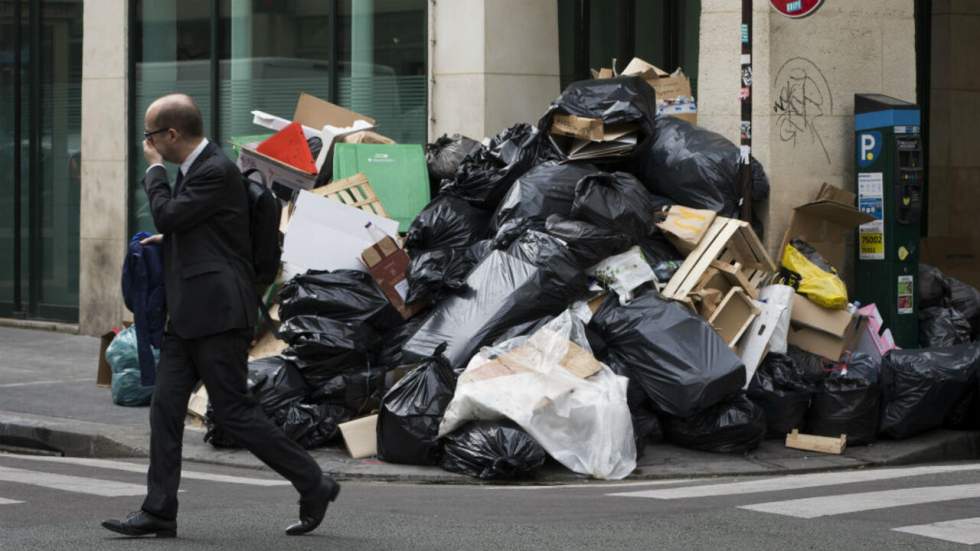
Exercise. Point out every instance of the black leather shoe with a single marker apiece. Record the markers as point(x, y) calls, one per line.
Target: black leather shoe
point(141, 523)
point(312, 508)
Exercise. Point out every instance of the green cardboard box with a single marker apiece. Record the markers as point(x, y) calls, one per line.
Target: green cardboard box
point(398, 175)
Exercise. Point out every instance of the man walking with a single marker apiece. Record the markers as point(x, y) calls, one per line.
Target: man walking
point(211, 305)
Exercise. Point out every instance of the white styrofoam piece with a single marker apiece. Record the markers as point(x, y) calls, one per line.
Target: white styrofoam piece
point(272, 122)
point(756, 339)
point(325, 234)
point(329, 135)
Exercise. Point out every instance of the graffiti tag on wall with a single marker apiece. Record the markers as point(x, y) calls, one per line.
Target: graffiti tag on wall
point(802, 97)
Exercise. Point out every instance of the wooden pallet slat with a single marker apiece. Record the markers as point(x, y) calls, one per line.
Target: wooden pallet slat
point(356, 192)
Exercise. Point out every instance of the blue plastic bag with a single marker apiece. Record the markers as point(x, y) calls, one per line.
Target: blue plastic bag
point(124, 360)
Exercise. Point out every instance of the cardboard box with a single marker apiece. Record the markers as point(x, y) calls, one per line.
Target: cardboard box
point(387, 264)
point(685, 226)
point(313, 114)
point(104, 376)
point(361, 436)
point(821, 331)
point(673, 90)
point(827, 223)
point(369, 137)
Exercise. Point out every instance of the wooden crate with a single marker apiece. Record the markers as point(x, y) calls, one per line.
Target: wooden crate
point(356, 192)
point(731, 247)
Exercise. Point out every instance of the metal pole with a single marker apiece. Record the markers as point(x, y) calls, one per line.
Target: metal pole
point(745, 130)
point(34, 161)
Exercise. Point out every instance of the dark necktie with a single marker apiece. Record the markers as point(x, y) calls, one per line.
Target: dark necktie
point(180, 178)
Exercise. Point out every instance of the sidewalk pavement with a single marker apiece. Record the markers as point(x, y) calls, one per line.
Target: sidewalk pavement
point(48, 398)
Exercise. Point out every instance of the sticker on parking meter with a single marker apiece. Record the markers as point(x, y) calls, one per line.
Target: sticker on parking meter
point(905, 283)
point(871, 201)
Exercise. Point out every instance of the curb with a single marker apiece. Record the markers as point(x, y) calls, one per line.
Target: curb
point(94, 440)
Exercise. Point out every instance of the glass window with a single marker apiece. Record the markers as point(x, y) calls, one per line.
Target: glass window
point(47, 61)
point(269, 52)
point(594, 32)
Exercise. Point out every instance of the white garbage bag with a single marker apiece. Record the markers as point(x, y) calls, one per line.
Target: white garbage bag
point(553, 387)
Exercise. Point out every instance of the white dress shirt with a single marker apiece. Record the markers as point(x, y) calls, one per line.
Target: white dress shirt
point(186, 165)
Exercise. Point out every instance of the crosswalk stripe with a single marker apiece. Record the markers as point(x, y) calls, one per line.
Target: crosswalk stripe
point(137, 468)
point(964, 530)
point(77, 484)
point(813, 507)
point(5, 501)
point(795, 482)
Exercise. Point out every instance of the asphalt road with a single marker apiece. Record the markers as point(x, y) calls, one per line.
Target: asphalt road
point(58, 504)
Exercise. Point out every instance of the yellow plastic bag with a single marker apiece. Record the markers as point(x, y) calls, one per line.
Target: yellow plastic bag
point(823, 288)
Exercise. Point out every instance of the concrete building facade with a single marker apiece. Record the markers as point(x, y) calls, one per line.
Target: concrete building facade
point(487, 64)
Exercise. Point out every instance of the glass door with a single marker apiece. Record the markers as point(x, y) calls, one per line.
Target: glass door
point(40, 157)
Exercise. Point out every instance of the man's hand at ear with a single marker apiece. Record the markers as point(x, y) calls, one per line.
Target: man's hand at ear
point(151, 154)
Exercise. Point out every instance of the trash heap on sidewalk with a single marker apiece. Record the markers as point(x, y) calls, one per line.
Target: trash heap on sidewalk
point(574, 290)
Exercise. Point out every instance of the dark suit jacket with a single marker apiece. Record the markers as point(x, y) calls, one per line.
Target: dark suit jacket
point(207, 251)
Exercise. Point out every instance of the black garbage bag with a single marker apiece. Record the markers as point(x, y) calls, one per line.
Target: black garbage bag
point(522, 329)
point(358, 389)
point(615, 101)
point(485, 176)
point(665, 269)
point(647, 428)
point(319, 424)
point(780, 387)
point(275, 382)
point(939, 327)
point(492, 450)
point(322, 347)
point(932, 286)
point(620, 202)
point(444, 155)
point(503, 290)
point(390, 353)
point(544, 190)
point(447, 222)
point(736, 425)
point(965, 413)
point(681, 363)
point(589, 244)
point(432, 275)
point(921, 387)
point(347, 296)
point(697, 168)
point(408, 422)
point(814, 368)
point(848, 402)
point(965, 299)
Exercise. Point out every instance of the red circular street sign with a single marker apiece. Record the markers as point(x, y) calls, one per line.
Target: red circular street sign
point(796, 8)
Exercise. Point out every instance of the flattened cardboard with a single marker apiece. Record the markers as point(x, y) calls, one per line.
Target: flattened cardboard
point(685, 226)
point(317, 113)
point(361, 436)
point(577, 127)
point(827, 224)
point(369, 137)
point(328, 235)
point(821, 331)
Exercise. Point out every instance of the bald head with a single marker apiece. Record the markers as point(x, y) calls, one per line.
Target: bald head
point(177, 111)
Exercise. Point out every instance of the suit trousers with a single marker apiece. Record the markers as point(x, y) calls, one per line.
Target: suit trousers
point(221, 362)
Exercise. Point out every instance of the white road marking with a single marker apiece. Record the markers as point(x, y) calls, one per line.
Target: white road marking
point(5, 501)
point(796, 482)
point(596, 485)
point(964, 530)
point(77, 484)
point(32, 383)
point(813, 507)
point(141, 469)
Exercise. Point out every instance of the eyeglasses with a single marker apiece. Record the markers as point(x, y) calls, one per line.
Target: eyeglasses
point(147, 135)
